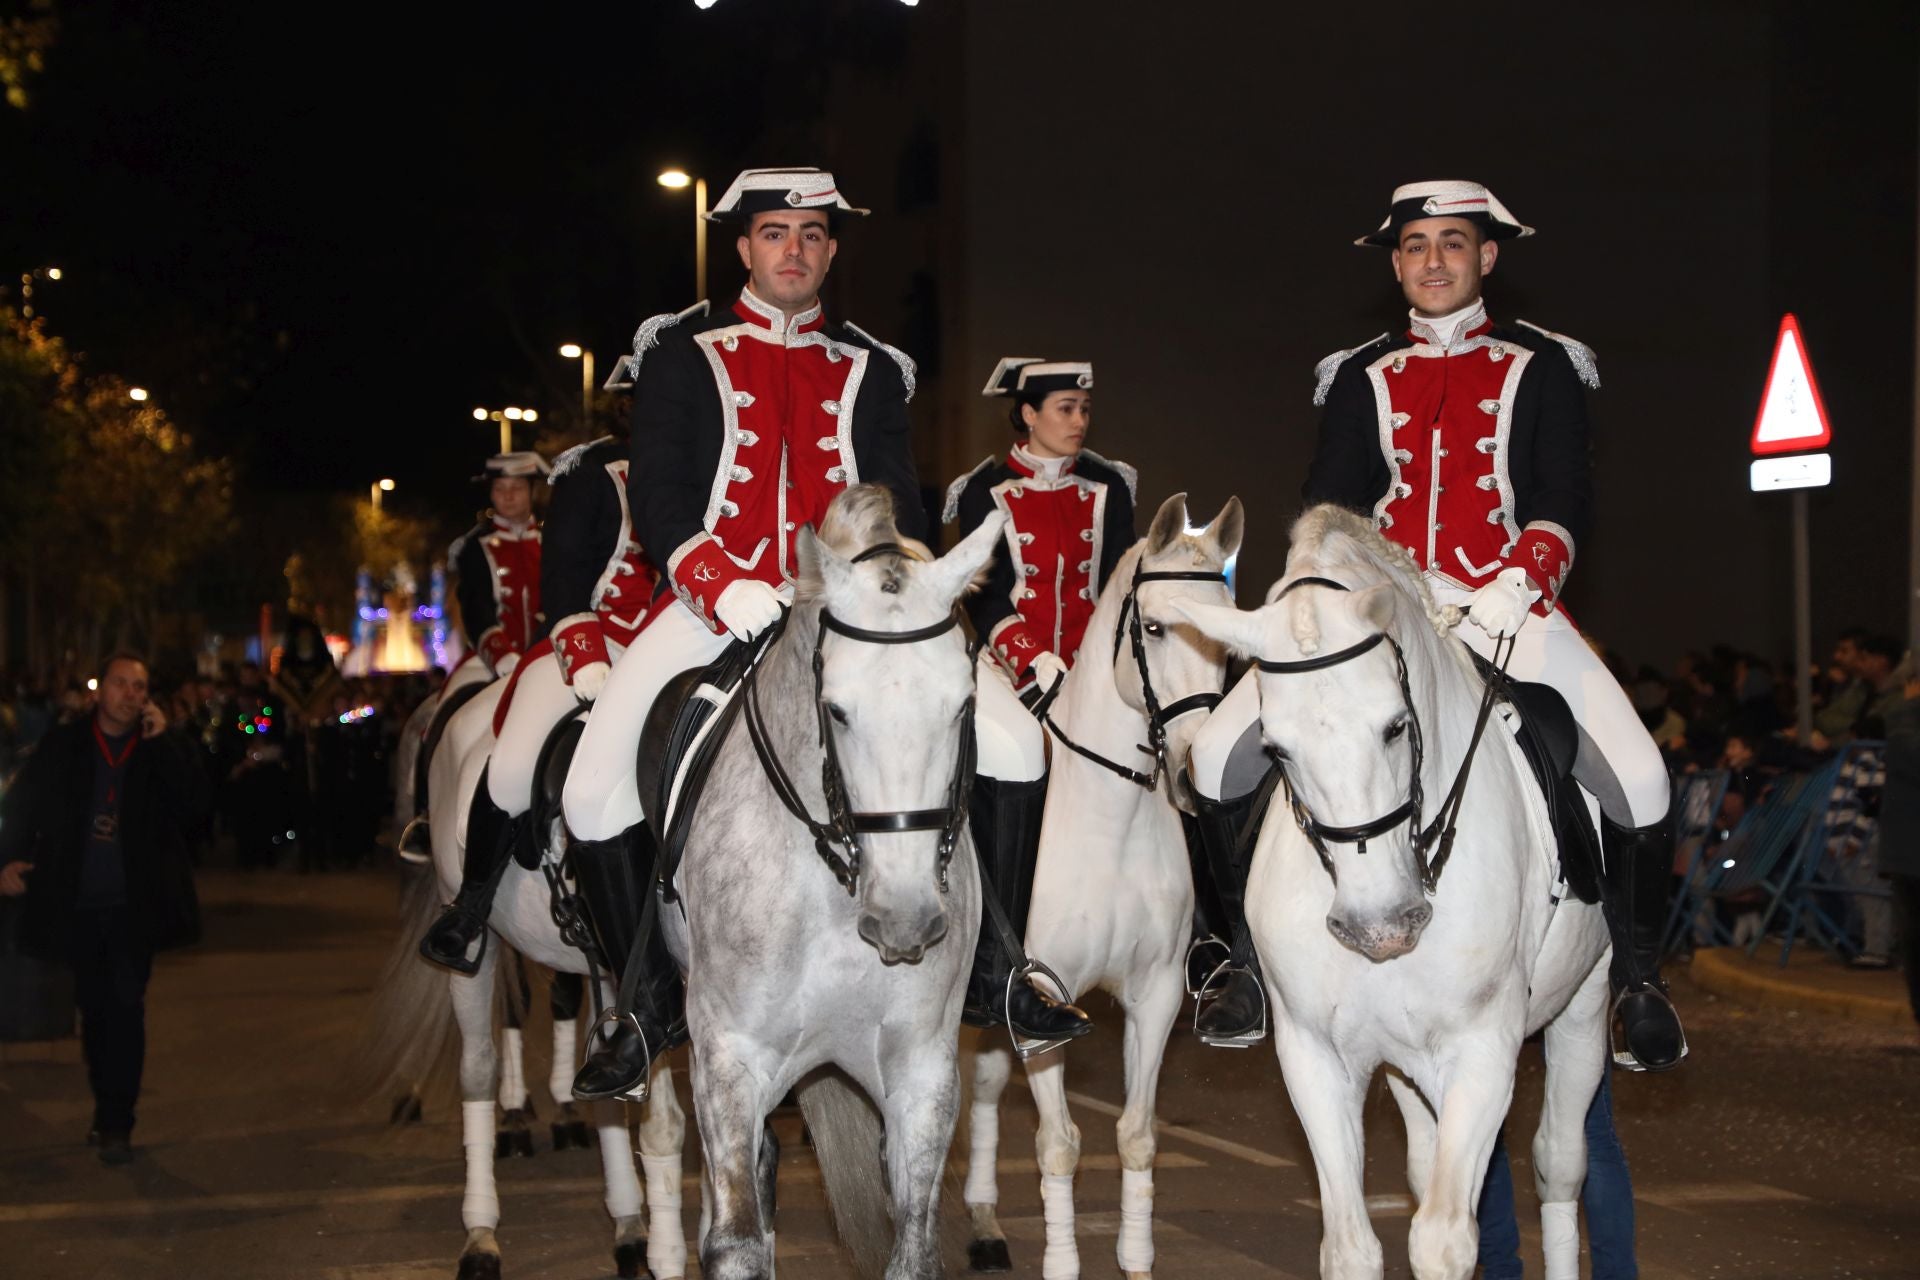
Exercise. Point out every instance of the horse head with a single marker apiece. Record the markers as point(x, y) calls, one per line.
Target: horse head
point(1342, 646)
point(1180, 664)
point(899, 712)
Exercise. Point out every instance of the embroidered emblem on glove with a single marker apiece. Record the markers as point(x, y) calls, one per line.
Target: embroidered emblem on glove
point(705, 573)
point(1023, 642)
point(1540, 554)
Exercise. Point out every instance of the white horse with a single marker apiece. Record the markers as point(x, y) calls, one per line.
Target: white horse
point(1113, 892)
point(522, 917)
point(789, 969)
point(1368, 703)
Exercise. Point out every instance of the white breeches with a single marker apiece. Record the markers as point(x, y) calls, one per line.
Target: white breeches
point(541, 700)
point(1618, 761)
point(472, 671)
point(601, 799)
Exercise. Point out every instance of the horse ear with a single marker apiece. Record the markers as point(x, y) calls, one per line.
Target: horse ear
point(1169, 522)
point(1374, 606)
point(1242, 632)
point(819, 561)
point(1227, 529)
point(951, 574)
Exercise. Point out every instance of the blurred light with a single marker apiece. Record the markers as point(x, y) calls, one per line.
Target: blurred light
point(479, 415)
point(677, 178)
point(137, 394)
point(1727, 865)
point(528, 415)
point(570, 350)
point(93, 686)
point(514, 414)
point(386, 486)
point(53, 273)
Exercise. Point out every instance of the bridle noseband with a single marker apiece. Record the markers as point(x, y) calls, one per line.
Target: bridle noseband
point(1158, 717)
point(844, 824)
point(1432, 844)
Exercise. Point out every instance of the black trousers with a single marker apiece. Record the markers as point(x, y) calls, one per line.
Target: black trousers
point(110, 975)
point(1906, 911)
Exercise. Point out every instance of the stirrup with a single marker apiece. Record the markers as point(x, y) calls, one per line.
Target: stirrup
point(1616, 1033)
point(639, 1091)
point(403, 846)
point(1209, 987)
point(1211, 940)
point(1026, 1049)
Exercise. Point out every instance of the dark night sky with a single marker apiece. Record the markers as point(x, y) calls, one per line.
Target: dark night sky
point(322, 244)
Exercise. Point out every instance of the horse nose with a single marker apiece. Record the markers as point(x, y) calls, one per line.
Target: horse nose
point(1393, 934)
point(902, 942)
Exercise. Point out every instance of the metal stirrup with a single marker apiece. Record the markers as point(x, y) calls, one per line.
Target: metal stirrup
point(1025, 1049)
point(615, 1016)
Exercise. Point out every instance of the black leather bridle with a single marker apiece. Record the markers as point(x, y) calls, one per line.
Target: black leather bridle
point(1432, 844)
point(844, 825)
point(1158, 717)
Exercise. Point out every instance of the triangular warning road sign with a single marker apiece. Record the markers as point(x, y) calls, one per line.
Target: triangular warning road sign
point(1792, 416)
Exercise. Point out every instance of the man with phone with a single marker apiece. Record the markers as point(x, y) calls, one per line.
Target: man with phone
point(94, 839)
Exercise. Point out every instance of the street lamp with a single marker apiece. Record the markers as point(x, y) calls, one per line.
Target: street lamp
point(574, 351)
point(379, 487)
point(137, 394)
point(506, 418)
point(676, 180)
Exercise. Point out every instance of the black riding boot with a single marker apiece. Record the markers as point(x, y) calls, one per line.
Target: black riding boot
point(615, 878)
point(490, 839)
point(1005, 821)
point(1639, 868)
point(1235, 1010)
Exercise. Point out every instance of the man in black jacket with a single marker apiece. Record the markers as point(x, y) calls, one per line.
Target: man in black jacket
point(93, 834)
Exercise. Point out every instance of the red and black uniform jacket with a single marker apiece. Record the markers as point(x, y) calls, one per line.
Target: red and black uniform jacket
point(499, 589)
point(1062, 541)
point(745, 425)
point(1473, 456)
point(595, 580)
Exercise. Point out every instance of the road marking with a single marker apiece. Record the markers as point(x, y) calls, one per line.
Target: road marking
point(1199, 1256)
point(1240, 1151)
point(1385, 1206)
point(1683, 1198)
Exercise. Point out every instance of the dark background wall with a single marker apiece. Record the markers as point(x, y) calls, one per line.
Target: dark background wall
point(1175, 200)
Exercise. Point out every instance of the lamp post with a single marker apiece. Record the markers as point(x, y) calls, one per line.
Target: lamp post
point(675, 180)
point(506, 418)
point(377, 488)
point(574, 351)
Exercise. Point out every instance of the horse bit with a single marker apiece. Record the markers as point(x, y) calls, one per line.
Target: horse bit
point(1436, 836)
point(845, 825)
point(1158, 717)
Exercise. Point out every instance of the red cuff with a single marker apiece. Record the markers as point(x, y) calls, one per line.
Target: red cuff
point(1015, 645)
point(493, 645)
point(701, 571)
point(579, 641)
point(1545, 553)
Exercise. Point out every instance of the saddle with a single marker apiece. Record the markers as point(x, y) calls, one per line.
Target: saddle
point(549, 782)
point(442, 716)
point(1549, 738)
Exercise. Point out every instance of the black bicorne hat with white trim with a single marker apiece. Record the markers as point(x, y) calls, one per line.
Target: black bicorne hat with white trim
point(1037, 380)
point(1006, 375)
point(767, 190)
point(521, 464)
point(1449, 199)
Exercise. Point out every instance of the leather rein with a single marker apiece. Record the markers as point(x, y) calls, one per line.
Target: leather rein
point(1432, 844)
point(1158, 717)
point(837, 839)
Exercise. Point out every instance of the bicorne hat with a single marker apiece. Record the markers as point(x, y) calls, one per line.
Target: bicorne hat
point(766, 190)
point(1468, 200)
point(522, 464)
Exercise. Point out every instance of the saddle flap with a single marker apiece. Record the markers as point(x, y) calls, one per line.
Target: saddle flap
point(1549, 738)
point(675, 747)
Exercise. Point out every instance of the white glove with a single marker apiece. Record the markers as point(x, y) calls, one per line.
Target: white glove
point(747, 607)
point(1047, 670)
point(504, 667)
point(589, 680)
point(1499, 607)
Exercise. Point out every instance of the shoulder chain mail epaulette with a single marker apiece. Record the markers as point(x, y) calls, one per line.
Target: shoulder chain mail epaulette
point(1584, 363)
point(907, 367)
point(958, 487)
point(1126, 470)
point(645, 338)
point(571, 458)
point(1324, 372)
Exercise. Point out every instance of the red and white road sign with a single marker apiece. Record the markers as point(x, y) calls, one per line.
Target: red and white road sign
point(1792, 417)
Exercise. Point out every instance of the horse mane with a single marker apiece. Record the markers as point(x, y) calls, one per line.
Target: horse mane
point(1332, 535)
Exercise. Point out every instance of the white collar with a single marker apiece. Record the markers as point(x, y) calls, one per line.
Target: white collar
point(779, 321)
point(1046, 471)
point(1444, 331)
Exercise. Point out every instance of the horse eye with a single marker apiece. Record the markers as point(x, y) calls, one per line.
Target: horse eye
point(1397, 728)
point(838, 712)
point(1154, 629)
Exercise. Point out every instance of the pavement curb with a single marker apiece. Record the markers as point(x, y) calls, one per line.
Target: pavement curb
point(1727, 972)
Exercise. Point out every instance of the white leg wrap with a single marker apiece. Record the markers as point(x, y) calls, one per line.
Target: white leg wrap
point(666, 1236)
point(481, 1205)
point(1560, 1239)
point(623, 1184)
point(1061, 1261)
point(566, 1040)
point(513, 1071)
point(1136, 1220)
point(983, 1134)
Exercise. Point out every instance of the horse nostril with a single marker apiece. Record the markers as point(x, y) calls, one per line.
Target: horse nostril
point(1415, 918)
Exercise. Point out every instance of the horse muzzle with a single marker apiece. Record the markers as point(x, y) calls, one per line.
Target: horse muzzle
point(903, 937)
point(1383, 937)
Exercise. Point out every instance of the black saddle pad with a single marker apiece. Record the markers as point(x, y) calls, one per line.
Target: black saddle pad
point(1550, 740)
point(672, 727)
point(442, 716)
point(550, 779)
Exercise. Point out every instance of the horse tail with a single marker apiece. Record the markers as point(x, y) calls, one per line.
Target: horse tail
point(846, 1134)
point(409, 1038)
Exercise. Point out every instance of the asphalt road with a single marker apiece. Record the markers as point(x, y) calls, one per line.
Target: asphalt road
point(1787, 1147)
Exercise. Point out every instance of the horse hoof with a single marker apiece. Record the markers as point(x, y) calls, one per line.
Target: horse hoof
point(522, 1141)
point(630, 1260)
point(479, 1266)
point(562, 1137)
point(405, 1110)
point(502, 1145)
point(582, 1136)
point(988, 1256)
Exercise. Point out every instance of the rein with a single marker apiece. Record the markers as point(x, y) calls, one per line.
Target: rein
point(837, 839)
point(1432, 844)
point(1158, 717)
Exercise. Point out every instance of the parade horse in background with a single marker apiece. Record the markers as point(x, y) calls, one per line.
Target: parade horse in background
point(827, 907)
point(523, 918)
point(1372, 955)
point(1113, 894)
